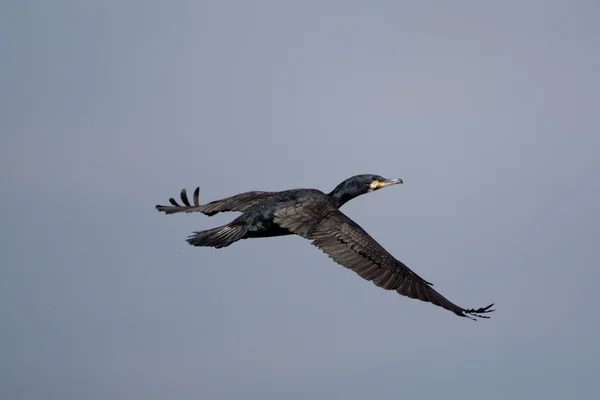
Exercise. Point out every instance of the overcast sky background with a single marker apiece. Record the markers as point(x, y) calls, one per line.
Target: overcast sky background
point(488, 111)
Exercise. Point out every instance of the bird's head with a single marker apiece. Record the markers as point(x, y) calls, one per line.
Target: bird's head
point(360, 184)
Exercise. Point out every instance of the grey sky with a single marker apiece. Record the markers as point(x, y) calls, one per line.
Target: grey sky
point(489, 112)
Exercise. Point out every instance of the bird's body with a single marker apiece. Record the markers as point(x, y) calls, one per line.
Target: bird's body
point(315, 215)
point(259, 218)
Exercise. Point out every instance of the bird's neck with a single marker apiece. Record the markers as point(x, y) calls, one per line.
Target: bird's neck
point(343, 194)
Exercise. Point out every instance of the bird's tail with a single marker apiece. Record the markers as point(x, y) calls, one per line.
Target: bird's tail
point(221, 236)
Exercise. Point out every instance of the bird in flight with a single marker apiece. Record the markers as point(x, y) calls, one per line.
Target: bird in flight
point(316, 216)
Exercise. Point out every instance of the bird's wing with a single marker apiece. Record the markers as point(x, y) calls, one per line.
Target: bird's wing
point(350, 246)
point(240, 202)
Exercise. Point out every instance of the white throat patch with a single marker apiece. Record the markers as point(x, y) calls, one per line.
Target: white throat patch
point(373, 186)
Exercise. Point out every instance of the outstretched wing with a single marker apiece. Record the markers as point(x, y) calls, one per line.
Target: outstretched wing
point(240, 202)
point(350, 246)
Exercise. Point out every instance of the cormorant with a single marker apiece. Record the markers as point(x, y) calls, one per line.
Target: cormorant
point(315, 215)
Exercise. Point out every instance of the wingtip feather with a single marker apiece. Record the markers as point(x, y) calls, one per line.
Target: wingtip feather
point(184, 198)
point(196, 194)
point(478, 313)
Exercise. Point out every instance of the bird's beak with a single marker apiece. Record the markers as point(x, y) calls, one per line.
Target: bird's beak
point(389, 182)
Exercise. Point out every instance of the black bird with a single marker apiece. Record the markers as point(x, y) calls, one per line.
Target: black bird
point(315, 215)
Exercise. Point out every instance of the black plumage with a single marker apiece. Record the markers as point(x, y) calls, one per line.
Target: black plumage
point(315, 215)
